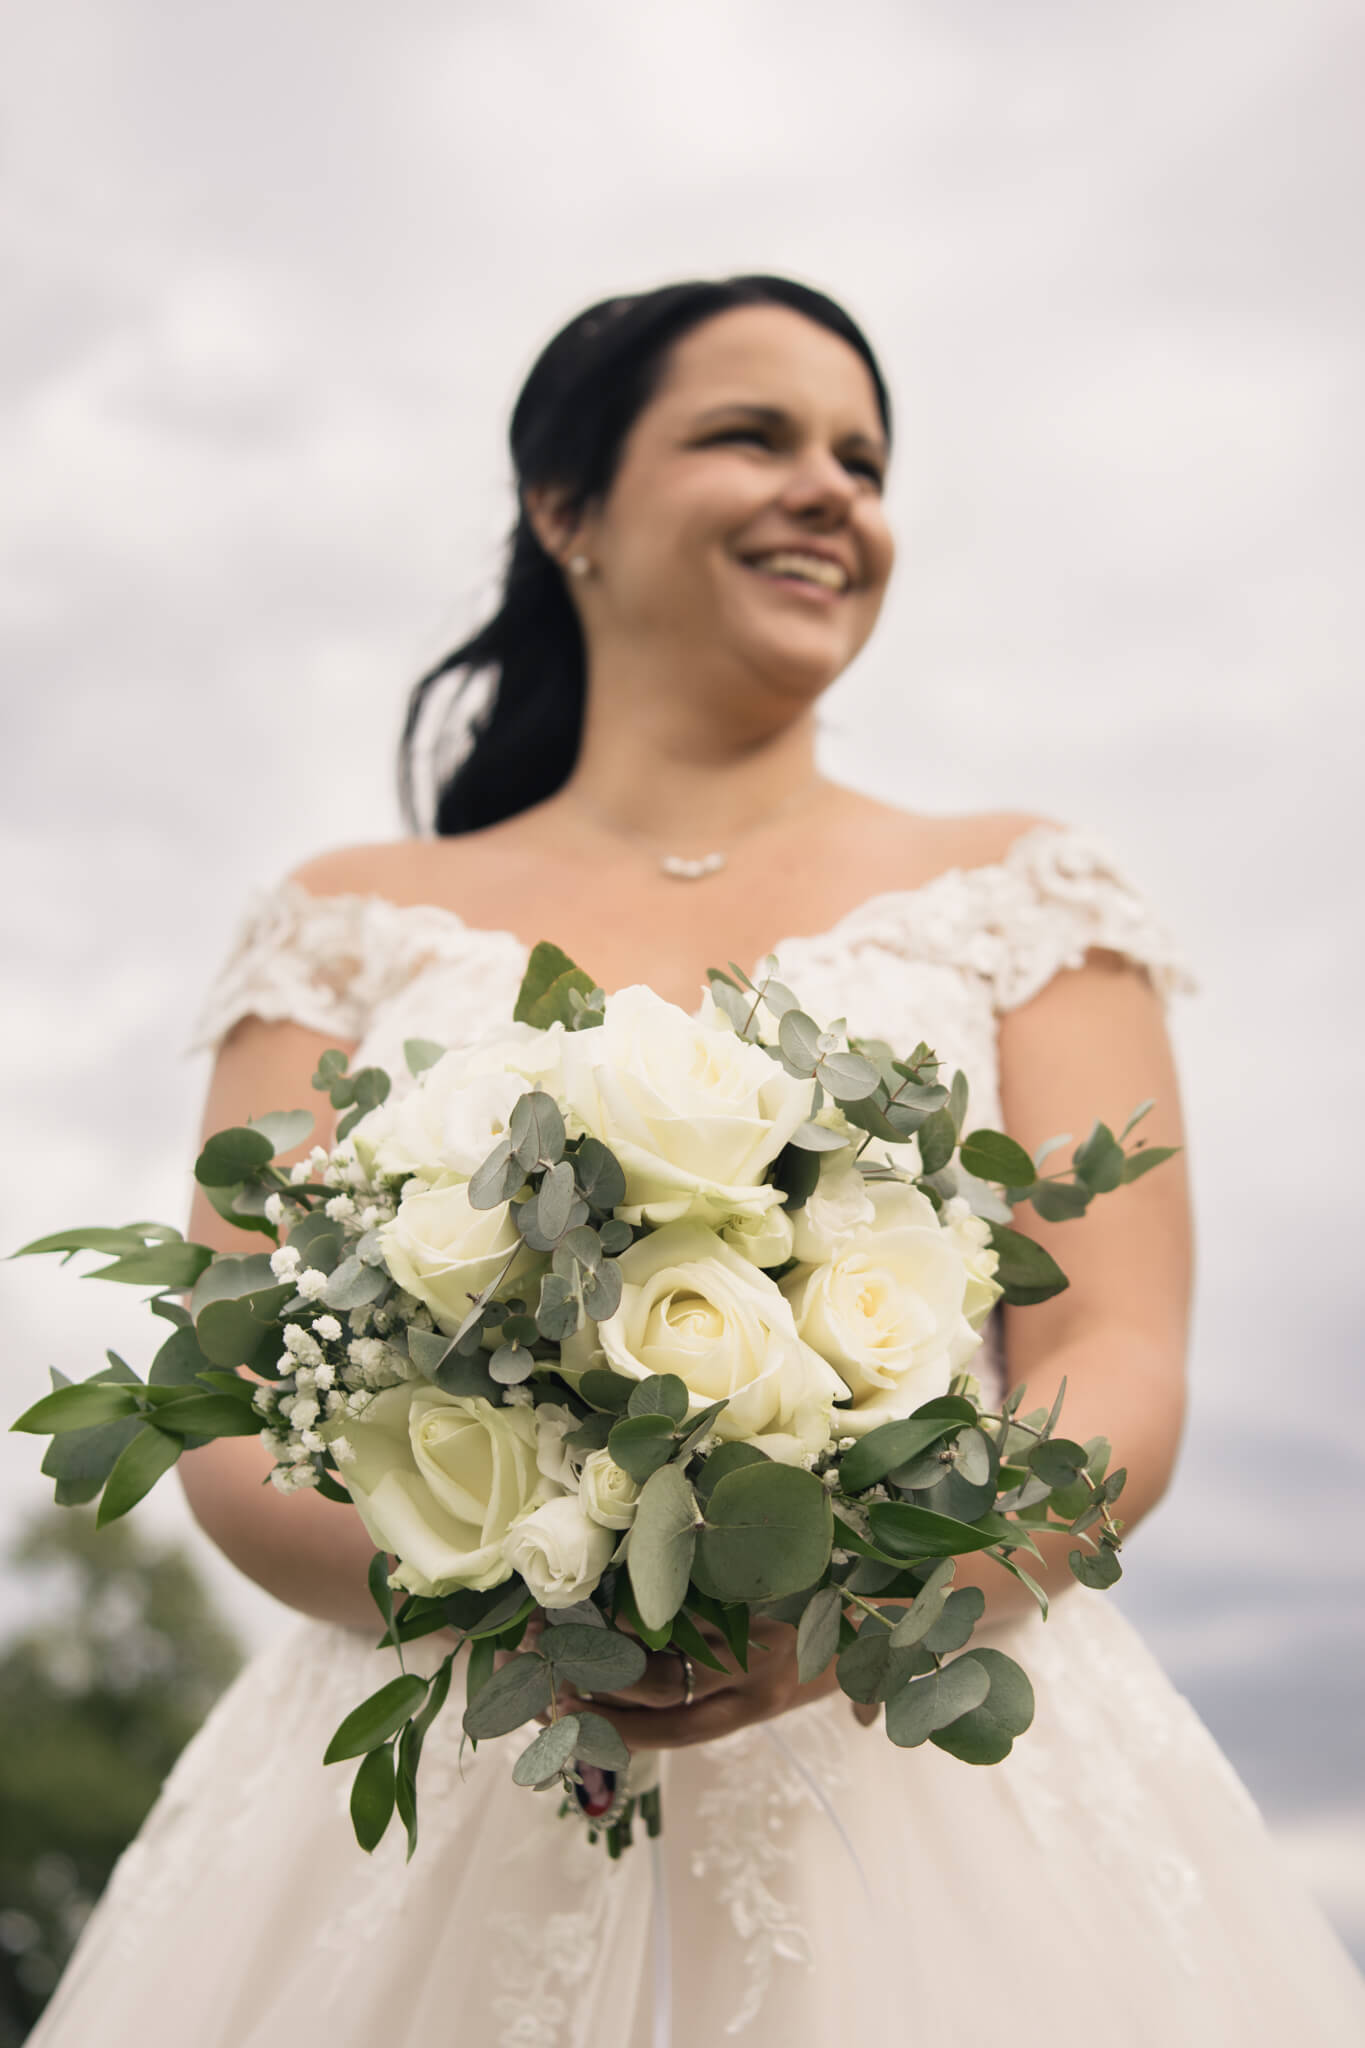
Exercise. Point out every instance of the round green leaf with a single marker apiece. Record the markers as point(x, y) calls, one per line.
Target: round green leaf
point(1097, 1571)
point(598, 1743)
point(661, 1394)
point(548, 1754)
point(962, 1610)
point(817, 1636)
point(983, 1732)
point(937, 1141)
point(600, 1659)
point(990, 1155)
point(1058, 1460)
point(232, 1156)
point(515, 1693)
point(663, 1539)
point(727, 1457)
point(641, 1444)
point(768, 1531)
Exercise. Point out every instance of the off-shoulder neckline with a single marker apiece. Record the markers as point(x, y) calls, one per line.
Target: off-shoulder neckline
point(880, 901)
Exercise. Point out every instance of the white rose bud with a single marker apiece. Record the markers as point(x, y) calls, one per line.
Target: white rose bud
point(443, 1250)
point(694, 1114)
point(691, 1305)
point(764, 1240)
point(972, 1236)
point(607, 1493)
point(439, 1479)
point(559, 1551)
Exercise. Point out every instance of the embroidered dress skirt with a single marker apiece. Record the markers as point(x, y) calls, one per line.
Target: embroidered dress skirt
point(813, 1885)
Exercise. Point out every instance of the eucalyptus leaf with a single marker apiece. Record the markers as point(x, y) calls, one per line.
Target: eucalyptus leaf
point(663, 1539)
point(496, 1179)
point(1026, 1272)
point(730, 1456)
point(599, 1175)
point(548, 1756)
point(353, 1284)
point(926, 1607)
point(1097, 1571)
point(931, 1702)
point(1138, 1163)
point(602, 1291)
point(962, 1610)
point(937, 1141)
point(606, 1389)
point(1060, 1201)
point(235, 1155)
point(660, 1394)
point(598, 1743)
point(518, 1691)
point(640, 1444)
point(598, 1659)
point(1057, 1460)
point(889, 1445)
point(990, 1155)
point(139, 1465)
point(536, 1130)
point(768, 1531)
point(985, 1732)
point(817, 1138)
point(907, 1531)
point(847, 1076)
point(799, 1037)
point(285, 1128)
point(1099, 1162)
point(421, 1053)
point(817, 1636)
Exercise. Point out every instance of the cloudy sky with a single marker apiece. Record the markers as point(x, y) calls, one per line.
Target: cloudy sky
point(273, 278)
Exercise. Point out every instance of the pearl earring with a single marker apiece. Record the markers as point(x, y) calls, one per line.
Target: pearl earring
point(579, 565)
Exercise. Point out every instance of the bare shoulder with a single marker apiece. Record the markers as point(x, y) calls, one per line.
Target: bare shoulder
point(917, 845)
point(405, 871)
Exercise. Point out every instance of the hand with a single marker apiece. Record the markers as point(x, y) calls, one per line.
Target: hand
point(651, 1713)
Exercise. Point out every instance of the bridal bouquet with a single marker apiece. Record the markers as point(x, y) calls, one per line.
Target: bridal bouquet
point(647, 1322)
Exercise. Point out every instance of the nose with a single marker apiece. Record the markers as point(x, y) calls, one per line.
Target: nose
point(819, 486)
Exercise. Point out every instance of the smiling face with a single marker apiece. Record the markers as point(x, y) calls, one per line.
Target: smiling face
point(746, 516)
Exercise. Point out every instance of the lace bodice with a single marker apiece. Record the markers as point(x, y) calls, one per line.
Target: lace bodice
point(941, 962)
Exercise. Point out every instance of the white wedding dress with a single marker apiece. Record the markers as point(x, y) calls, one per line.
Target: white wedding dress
point(814, 1885)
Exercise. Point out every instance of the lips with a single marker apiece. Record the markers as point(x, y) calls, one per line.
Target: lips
point(811, 568)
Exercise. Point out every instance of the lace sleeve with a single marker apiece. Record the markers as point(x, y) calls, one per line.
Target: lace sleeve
point(322, 961)
point(1060, 892)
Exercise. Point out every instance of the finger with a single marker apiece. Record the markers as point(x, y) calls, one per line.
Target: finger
point(675, 1727)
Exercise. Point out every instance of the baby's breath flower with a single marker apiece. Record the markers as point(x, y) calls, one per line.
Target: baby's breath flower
point(264, 1399)
point(300, 1171)
point(311, 1283)
point(340, 1209)
point(289, 1478)
point(324, 1375)
point(312, 1442)
point(519, 1397)
point(301, 1344)
point(274, 1209)
point(284, 1263)
point(343, 1450)
point(304, 1412)
point(328, 1328)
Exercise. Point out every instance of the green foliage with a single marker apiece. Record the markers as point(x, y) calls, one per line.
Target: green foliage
point(98, 1695)
point(663, 1540)
point(767, 1532)
point(550, 979)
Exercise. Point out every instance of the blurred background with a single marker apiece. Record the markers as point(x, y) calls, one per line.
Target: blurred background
point(274, 277)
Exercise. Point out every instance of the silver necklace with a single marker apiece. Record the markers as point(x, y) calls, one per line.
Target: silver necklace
point(681, 867)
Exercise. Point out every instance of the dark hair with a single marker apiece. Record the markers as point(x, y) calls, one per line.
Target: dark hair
point(584, 392)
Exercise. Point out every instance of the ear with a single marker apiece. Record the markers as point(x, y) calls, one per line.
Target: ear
point(555, 516)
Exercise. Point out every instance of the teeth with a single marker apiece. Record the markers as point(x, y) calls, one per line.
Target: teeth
point(811, 568)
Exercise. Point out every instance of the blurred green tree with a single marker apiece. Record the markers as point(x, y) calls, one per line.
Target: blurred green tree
point(99, 1693)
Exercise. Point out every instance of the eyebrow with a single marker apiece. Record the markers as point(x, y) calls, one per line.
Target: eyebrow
point(775, 416)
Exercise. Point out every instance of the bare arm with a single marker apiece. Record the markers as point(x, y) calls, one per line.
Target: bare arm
point(309, 1552)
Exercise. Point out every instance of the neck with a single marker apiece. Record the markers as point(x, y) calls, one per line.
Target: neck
point(666, 766)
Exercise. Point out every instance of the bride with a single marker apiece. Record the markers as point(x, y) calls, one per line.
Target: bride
point(701, 549)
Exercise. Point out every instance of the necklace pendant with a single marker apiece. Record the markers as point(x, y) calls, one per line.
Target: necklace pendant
point(684, 870)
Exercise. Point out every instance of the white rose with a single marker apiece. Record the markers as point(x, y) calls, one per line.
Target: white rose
point(559, 1464)
point(691, 1305)
point(764, 1240)
point(837, 1206)
point(559, 1551)
point(607, 1493)
point(439, 1479)
point(972, 1236)
point(694, 1114)
point(443, 1250)
point(448, 1121)
point(887, 1309)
